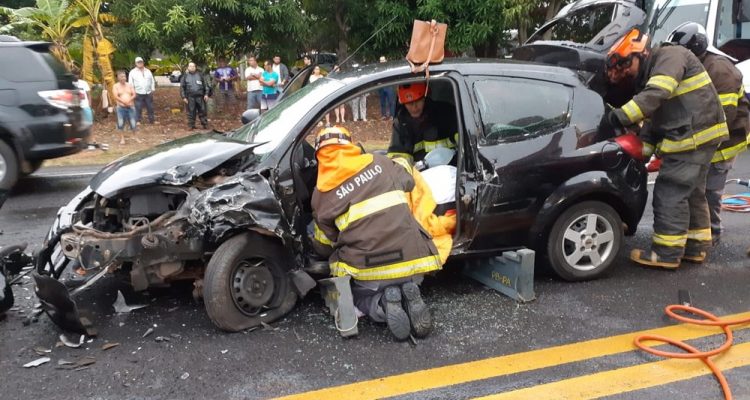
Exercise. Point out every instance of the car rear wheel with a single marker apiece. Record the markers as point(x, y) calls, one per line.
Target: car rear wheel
point(8, 166)
point(584, 241)
point(245, 283)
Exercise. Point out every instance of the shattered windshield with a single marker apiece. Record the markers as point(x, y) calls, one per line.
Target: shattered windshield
point(272, 126)
point(676, 13)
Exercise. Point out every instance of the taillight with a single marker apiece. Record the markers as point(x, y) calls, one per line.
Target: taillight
point(631, 145)
point(63, 98)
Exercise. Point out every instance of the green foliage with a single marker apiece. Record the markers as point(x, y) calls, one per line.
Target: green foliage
point(199, 28)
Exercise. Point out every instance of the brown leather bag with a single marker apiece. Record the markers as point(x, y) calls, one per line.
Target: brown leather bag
point(427, 45)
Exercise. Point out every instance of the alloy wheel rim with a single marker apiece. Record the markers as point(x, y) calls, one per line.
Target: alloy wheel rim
point(588, 242)
point(3, 168)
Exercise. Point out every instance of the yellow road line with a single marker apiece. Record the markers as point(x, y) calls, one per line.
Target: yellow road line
point(628, 379)
point(417, 381)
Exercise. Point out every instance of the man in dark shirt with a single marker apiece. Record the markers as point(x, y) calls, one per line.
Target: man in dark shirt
point(422, 125)
point(194, 91)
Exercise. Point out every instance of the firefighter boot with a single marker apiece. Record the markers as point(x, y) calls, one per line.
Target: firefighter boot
point(395, 316)
point(695, 257)
point(651, 259)
point(419, 313)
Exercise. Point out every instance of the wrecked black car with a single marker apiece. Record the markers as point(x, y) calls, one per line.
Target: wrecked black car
point(536, 167)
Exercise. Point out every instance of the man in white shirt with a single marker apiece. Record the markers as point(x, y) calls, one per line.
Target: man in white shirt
point(143, 82)
point(254, 89)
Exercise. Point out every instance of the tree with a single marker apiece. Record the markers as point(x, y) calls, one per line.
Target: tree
point(97, 49)
point(478, 24)
point(54, 19)
point(202, 28)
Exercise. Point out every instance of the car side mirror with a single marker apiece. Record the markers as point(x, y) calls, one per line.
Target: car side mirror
point(250, 115)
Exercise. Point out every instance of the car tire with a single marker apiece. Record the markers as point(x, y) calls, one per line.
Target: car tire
point(8, 166)
point(244, 279)
point(584, 241)
point(33, 166)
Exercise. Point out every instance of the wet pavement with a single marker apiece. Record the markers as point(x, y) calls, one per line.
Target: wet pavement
point(187, 357)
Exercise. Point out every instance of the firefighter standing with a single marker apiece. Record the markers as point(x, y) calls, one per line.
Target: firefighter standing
point(728, 82)
point(687, 122)
point(363, 223)
point(422, 125)
point(194, 90)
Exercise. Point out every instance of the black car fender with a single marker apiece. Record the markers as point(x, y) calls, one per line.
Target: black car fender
point(591, 185)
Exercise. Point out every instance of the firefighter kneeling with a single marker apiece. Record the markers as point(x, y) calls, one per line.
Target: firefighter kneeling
point(687, 122)
point(364, 224)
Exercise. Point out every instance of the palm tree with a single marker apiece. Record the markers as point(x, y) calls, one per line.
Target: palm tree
point(54, 18)
point(95, 44)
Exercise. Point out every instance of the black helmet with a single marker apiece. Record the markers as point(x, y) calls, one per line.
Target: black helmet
point(690, 35)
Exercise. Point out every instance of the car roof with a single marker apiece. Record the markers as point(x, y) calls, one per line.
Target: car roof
point(464, 66)
point(32, 45)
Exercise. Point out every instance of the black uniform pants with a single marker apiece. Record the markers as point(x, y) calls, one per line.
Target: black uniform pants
point(717, 177)
point(681, 218)
point(197, 104)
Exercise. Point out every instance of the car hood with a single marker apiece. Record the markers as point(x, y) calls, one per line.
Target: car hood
point(173, 163)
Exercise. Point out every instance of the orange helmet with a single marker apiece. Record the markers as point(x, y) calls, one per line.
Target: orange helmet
point(332, 135)
point(632, 44)
point(411, 92)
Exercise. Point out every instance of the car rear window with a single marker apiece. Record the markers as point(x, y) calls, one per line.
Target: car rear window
point(580, 26)
point(24, 64)
point(516, 109)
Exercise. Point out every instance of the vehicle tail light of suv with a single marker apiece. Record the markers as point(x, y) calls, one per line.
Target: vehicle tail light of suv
point(631, 145)
point(63, 98)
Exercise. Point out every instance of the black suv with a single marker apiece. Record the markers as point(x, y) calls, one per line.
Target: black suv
point(40, 116)
point(536, 166)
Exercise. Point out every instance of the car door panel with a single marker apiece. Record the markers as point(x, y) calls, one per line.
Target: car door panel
point(522, 145)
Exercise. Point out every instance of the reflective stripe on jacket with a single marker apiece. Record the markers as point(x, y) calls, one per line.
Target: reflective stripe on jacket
point(679, 100)
point(368, 223)
point(728, 82)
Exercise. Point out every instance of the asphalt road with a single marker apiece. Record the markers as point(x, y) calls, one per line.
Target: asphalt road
point(304, 352)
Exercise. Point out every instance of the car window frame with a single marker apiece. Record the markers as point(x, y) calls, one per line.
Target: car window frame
point(482, 134)
point(553, 24)
point(343, 98)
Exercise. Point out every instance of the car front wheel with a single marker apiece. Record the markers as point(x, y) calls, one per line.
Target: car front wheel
point(8, 166)
point(584, 241)
point(245, 283)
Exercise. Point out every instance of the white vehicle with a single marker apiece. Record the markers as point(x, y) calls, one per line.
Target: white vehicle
point(727, 25)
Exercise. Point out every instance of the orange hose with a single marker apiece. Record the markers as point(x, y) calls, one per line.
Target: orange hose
point(737, 207)
point(692, 352)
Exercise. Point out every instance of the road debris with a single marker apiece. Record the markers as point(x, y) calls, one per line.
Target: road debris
point(268, 327)
point(64, 339)
point(121, 307)
point(62, 362)
point(37, 362)
point(88, 360)
point(148, 332)
point(224, 351)
point(161, 339)
point(185, 376)
point(42, 351)
point(108, 346)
